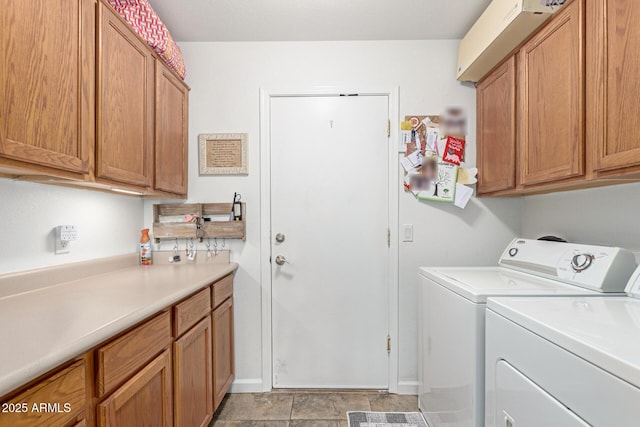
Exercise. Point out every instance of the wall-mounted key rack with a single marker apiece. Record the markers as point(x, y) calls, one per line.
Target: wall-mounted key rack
point(196, 220)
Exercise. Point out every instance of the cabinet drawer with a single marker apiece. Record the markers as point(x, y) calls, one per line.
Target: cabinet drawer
point(124, 356)
point(189, 312)
point(222, 290)
point(47, 403)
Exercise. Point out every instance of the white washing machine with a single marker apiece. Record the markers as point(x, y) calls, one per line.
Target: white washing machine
point(564, 361)
point(452, 302)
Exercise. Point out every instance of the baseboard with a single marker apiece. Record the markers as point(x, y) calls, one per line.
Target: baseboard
point(249, 385)
point(408, 387)
point(254, 385)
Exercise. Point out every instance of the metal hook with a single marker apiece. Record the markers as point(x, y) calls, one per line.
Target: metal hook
point(191, 251)
point(209, 254)
point(224, 242)
point(176, 252)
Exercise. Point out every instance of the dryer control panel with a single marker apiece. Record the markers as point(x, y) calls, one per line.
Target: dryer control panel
point(600, 268)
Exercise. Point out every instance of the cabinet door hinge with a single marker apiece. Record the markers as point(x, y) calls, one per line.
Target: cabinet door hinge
point(388, 128)
point(388, 237)
point(388, 344)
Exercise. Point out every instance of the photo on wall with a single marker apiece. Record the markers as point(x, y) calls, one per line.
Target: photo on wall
point(442, 183)
point(434, 156)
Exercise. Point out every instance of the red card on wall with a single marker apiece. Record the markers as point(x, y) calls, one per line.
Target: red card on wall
point(453, 150)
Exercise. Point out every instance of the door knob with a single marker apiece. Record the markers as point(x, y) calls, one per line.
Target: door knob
point(280, 260)
point(279, 237)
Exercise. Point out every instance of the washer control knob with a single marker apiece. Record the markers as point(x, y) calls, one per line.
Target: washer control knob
point(513, 252)
point(581, 262)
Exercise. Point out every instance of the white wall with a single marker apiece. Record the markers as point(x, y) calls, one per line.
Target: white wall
point(108, 224)
point(225, 79)
point(605, 216)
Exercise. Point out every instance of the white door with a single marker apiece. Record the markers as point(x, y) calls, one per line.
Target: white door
point(329, 200)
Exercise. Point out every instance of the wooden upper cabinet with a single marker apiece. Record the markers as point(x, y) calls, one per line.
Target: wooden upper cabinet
point(496, 129)
point(171, 149)
point(613, 86)
point(125, 103)
point(47, 72)
point(551, 100)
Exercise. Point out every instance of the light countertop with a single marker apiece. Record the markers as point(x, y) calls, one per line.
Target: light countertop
point(44, 328)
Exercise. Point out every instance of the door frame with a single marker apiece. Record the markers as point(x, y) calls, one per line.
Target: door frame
point(265, 218)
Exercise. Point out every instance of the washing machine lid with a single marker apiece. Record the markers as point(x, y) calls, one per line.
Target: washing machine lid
point(478, 283)
point(605, 331)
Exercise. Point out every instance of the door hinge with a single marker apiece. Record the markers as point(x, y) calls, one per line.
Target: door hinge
point(388, 237)
point(388, 344)
point(388, 128)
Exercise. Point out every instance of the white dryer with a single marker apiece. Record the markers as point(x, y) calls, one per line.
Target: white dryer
point(452, 302)
point(564, 361)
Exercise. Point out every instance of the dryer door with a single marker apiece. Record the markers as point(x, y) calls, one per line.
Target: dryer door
point(521, 403)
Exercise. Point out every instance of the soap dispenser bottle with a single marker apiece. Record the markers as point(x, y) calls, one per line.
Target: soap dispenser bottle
point(145, 248)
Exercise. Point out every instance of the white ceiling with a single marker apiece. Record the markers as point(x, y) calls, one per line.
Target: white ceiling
point(319, 20)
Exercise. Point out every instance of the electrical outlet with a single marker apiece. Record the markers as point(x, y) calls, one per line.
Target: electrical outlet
point(64, 235)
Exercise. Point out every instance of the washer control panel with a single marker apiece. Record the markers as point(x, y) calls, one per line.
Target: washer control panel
point(586, 266)
point(600, 268)
point(581, 262)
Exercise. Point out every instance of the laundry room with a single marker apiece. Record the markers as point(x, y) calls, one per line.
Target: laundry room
point(346, 210)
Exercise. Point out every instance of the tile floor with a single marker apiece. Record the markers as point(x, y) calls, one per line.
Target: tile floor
point(305, 408)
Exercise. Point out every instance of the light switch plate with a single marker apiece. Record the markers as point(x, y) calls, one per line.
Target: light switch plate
point(407, 232)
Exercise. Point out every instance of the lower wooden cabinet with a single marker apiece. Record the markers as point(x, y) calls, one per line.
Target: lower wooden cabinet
point(223, 351)
point(172, 369)
point(62, 394)
point(193, 377)
point(144, 400)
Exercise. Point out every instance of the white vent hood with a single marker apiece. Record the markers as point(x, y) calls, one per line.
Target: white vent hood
point(503, 26)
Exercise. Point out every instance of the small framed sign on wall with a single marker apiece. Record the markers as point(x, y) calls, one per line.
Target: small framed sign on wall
point(223, 154)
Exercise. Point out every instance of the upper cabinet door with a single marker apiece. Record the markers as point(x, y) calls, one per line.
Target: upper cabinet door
point(613, 63)
point(171, 155)
point(496, 129)
point(47, 86)
point(551, 100)
point(125, 103)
